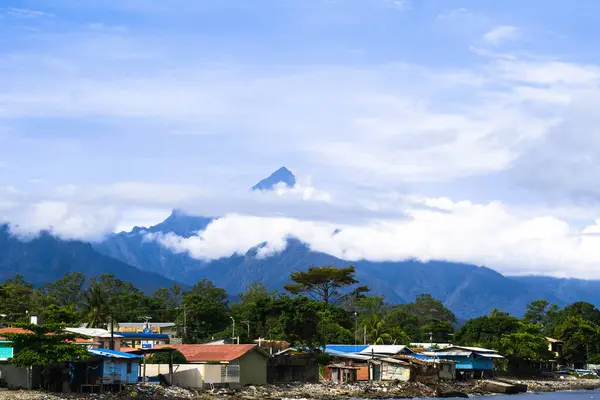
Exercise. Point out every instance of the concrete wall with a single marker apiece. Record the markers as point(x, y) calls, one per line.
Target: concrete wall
point(199, 375)
point(184, 375)
point(14, 376)
point(447, 371)
point(253, 368)
point(390, 372)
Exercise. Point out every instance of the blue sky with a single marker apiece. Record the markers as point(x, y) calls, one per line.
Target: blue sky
point(463, 130)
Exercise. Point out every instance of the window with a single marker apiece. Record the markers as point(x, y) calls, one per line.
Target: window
point(129, 367)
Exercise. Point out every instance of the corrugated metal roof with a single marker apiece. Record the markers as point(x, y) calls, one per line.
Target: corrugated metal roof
point(112, 354)
point(456, 353)
point(351, 356)
point(345, 348)
point(143, 335)
point(92, 332)
point(384, 349)
point(142, 324)
point(197, 353)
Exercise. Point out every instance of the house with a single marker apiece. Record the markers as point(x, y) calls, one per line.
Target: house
point(387, 350)
point(471, 362)
point(233, 365)
point(428, 370)
point(293, 365)
point(14, 377)
point(393, 369)
point(104, 370)
point(101, 337)
point(162, 328)
point(350, 367)
point(555, 346)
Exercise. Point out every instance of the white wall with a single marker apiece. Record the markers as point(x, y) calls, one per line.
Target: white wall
point(196, 375)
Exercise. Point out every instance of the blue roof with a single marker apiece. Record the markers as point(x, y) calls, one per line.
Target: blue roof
point(140, 335)
point(112, 353)
point(345, 348)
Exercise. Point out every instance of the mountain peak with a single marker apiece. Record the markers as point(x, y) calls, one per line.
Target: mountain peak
point(282, 175)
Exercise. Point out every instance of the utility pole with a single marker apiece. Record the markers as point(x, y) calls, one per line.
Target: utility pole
point(112, 334)
point(365, 336)
point(184, 324)
point(355, 328)
point(233, 328)
point(248, 325)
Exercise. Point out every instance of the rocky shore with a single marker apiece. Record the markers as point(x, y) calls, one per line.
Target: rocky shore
point(317, 391)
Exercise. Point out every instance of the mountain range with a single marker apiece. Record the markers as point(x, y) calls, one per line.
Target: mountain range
point(468, 290)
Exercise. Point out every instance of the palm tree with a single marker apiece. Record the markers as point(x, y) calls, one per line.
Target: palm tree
point(96, 307)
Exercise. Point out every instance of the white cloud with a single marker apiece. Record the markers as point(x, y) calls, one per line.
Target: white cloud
point(68, 221)
point(501, 34)
point(24, 13)
point(486, 234)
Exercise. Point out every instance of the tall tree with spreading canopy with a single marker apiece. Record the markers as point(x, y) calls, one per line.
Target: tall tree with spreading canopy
point(43, 345)
point(324, 283)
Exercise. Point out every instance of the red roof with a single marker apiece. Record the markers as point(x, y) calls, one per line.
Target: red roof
point(211, 352)
point(12, 330)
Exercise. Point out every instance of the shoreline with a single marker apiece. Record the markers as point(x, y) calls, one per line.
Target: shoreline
point(318, 391)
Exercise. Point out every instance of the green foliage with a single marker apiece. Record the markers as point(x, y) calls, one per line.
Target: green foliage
point(16, 298)
point(54, 314)
point(45, 345)
point(525, 346)
point(165, 357)
point(487, 331)
point(324, 283)
point(580, 338)
point(207, 311)
point(66, 291)
point(96, 307)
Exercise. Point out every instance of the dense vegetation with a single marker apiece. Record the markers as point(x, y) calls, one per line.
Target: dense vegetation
point(321, 305)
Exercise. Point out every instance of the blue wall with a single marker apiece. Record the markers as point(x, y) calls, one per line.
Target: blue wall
point(472, 363)
point(118, 368)
point(6, 350)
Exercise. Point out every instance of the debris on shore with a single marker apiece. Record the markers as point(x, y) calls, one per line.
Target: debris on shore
point(317, 391)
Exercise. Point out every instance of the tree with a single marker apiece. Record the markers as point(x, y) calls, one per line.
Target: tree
point(67, 290)
point(526, 344)
point(324, 283)
point(17, 299)
point(96, 307)
point(43, 345)
point(165, 303)
point(166, 357)
point(207, 311)
point(537, 312)
point(54, 314)
point(487, 331)
point(580, 337)
point(253, 309)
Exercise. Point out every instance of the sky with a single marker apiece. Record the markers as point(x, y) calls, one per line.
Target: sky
point(430, 129)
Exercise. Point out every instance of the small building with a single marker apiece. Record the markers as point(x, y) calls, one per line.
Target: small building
point(163, 328)
point(350, 367)
point(101, 337)
point(14, 377)
point(293, 365)
point(387, 350)
point(428, 370)
point(104, 370)
point(231, 365)
point(471, 362)
point(555, 346)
